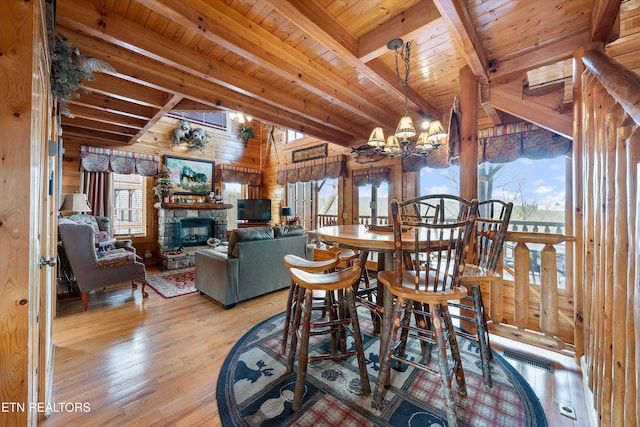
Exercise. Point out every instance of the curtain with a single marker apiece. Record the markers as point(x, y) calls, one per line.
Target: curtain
point(312, 170)
point(96, 185)
point(500, 144)
point(373, 176)
point(94, 159)
point(228, 173)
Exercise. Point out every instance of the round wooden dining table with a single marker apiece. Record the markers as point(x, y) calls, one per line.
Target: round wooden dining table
point(369, 240)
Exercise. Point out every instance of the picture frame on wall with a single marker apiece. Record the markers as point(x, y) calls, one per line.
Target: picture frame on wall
point(191, 176)
point(316, 152)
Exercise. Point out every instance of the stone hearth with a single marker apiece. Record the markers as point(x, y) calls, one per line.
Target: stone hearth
point(173, 255)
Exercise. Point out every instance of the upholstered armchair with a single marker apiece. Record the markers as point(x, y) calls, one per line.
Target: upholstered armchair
point(103, 232)
point(93, 269)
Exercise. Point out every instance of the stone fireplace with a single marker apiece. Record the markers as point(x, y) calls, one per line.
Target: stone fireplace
point(183, 228)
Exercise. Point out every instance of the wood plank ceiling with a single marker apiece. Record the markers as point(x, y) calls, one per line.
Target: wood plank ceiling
point(320, 67)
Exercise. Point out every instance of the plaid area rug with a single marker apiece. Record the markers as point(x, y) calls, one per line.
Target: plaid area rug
point(254, 389)
point(173, 283)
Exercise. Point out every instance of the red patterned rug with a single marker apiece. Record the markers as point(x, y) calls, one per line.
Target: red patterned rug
point(255, 390)
point(173, 283)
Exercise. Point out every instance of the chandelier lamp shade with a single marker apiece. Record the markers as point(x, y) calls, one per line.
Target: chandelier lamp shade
point(399, 144)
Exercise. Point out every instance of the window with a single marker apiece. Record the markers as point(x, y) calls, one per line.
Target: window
point(292, 135)
point(231, 192)
point(214, 119)
point(373, 204)
point(129, 204)
point(537, 189)
point(314, 202)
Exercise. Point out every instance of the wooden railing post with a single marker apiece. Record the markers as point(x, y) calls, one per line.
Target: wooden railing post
point(549, 291)
point(521, 283)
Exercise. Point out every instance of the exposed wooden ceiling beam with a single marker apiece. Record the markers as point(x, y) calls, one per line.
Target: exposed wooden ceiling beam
point(107, 117)
point(113, 105)
point(167, 107)
point(539, 56)
point(159, 76)
point(83, 16)
point(495, 116)
point(79, 122)
point(408, 25)
point(508, 98)
point(458, 21)
point(603, 19)
point(94, 134)
point(191, 105)
point(115, 87)
point(325, 30)
point(219, 23)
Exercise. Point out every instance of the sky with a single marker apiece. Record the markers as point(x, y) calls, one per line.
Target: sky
point(523, 181)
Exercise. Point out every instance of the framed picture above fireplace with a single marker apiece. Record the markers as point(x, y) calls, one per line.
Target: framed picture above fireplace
point(190, 176)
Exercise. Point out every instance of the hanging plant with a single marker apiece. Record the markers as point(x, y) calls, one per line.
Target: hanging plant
point(68, 69)
point(187, 138)
point(246, 132)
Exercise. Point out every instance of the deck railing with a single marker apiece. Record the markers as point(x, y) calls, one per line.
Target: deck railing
point(533, 303)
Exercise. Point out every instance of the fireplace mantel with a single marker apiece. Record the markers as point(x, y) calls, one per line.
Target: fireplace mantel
point(195, 206)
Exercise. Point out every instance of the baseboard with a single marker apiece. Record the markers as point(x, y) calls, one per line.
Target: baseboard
point(588, 395)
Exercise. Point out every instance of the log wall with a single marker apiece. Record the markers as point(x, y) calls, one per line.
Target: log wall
point(607, 138)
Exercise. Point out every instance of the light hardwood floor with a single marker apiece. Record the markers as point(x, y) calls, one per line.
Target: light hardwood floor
point(155, 362)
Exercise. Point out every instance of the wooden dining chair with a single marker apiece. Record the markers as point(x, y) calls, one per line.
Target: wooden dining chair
point(487, 244)
point(343, 320)
point(438, 254)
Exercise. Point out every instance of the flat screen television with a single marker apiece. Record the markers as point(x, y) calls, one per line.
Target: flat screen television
point(254, 209)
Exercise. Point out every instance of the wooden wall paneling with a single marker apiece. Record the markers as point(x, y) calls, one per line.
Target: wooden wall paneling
point(24, 115)
point(574, 218)
point(587, 252)
point(620, 258)
point(632, 399)
point(608, 220)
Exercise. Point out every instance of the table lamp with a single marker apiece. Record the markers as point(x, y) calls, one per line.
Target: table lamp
point(76, 202)
point(286, 213)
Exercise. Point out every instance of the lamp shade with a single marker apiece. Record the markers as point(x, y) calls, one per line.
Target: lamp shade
point(405, 129)
point(436, 131)
point(75, 202)
point(377, 138)
point(286, 211)
point(393, 146)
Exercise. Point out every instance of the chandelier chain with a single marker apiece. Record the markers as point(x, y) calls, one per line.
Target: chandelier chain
point(405, 54)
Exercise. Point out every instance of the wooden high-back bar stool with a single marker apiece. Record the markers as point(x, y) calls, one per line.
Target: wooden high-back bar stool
point(323, 261)
point(422, 286)
point(343, 319)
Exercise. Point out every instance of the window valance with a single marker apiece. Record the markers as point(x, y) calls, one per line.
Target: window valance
point(318, 169)
point(94, 159)
point(501, 144)
point(229, 173)
point(373, 176)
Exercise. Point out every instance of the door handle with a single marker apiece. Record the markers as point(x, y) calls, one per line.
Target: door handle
point(51, 262)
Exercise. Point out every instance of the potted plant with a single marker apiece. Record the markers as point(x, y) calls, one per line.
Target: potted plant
point(246, 132)
point(164, 186)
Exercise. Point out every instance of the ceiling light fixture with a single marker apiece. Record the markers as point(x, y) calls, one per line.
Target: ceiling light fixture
point(399, 144)
point(240, 118)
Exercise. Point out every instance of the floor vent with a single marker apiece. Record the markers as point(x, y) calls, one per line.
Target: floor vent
point(529, 360)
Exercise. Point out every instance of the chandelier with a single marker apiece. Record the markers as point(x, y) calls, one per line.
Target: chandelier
point(399, 144)
point(240, 118)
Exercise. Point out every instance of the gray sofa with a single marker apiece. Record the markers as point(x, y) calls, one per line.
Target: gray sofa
point(253, 265)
